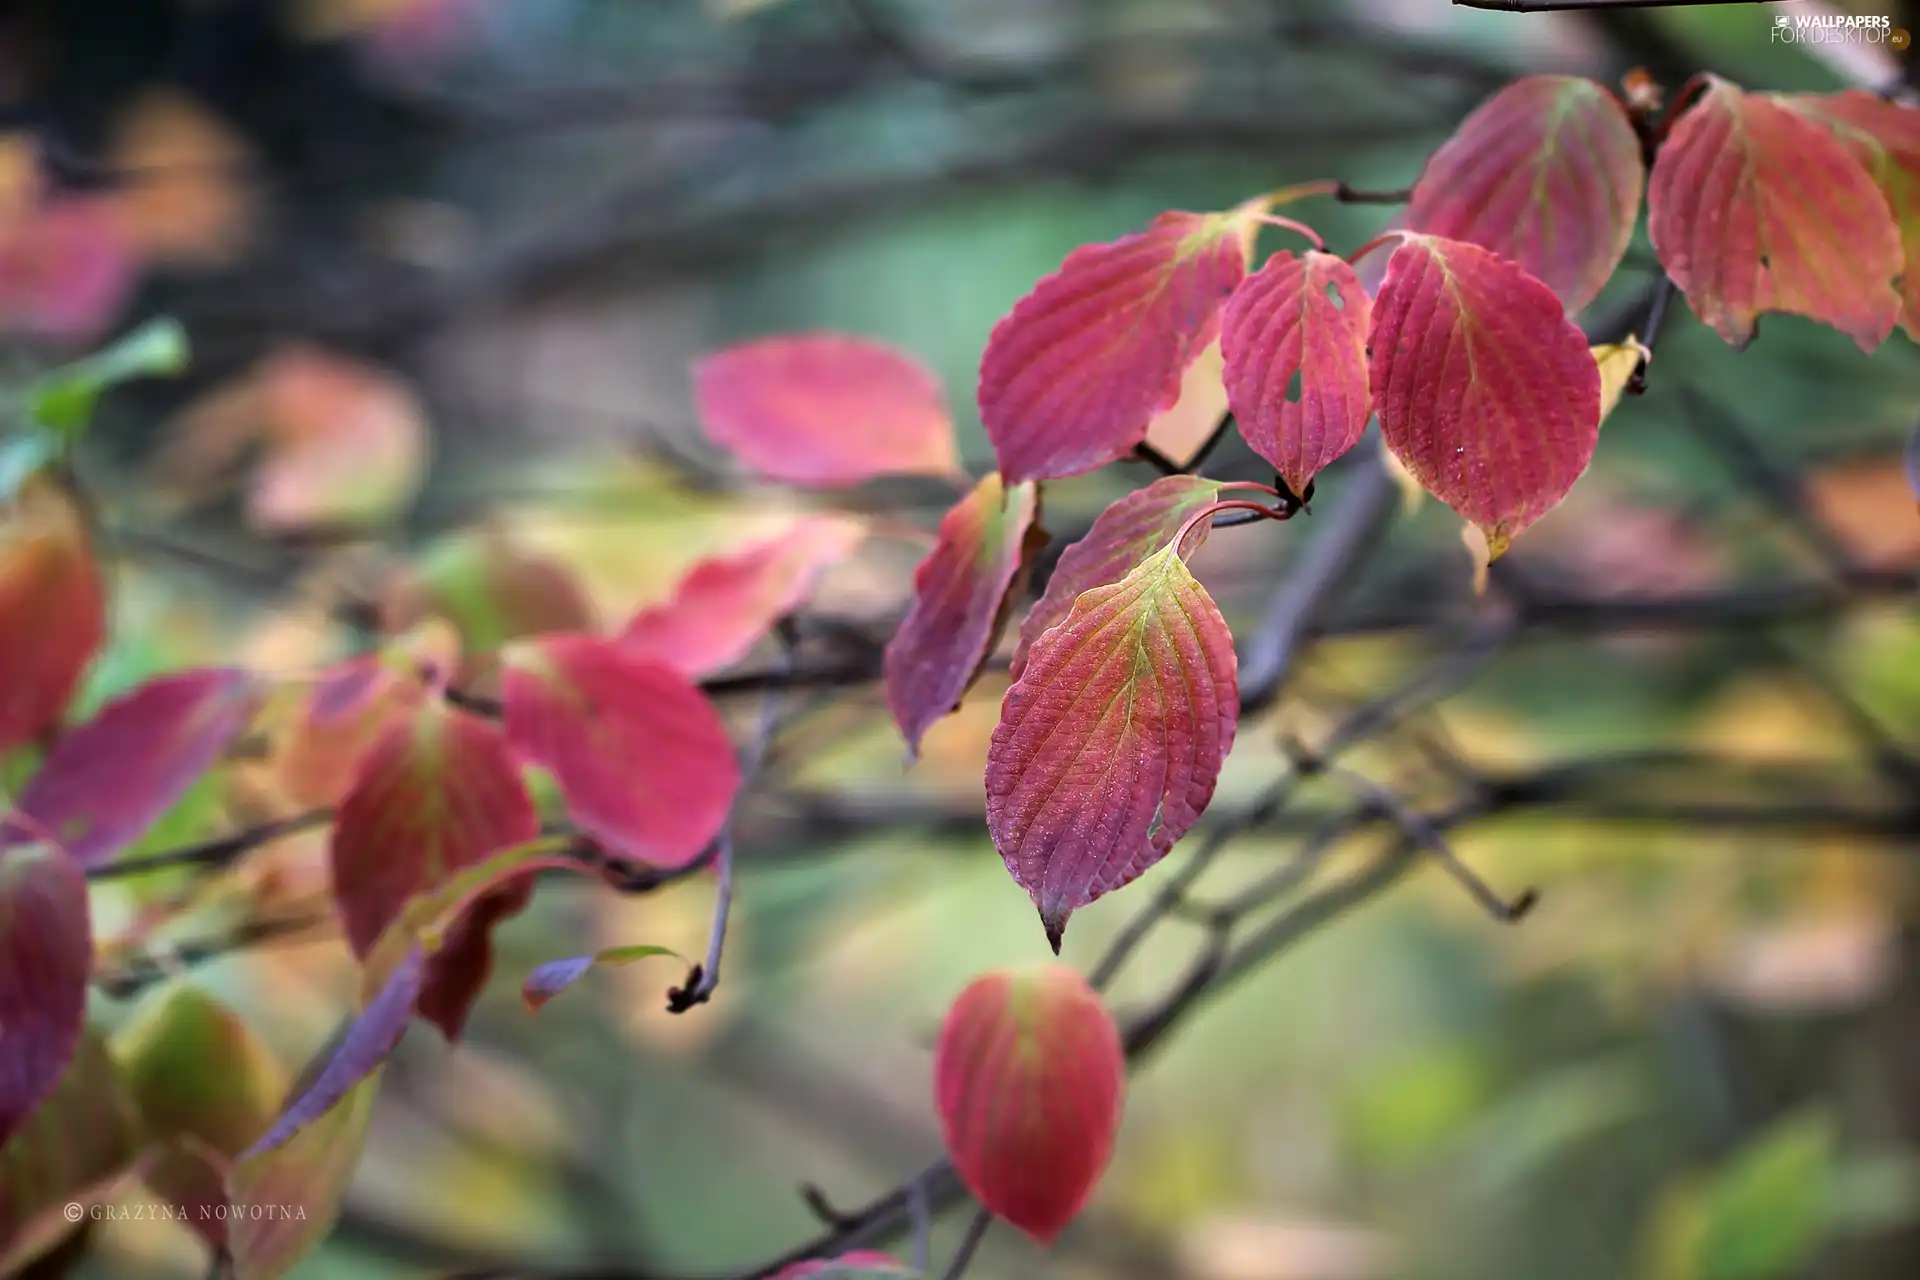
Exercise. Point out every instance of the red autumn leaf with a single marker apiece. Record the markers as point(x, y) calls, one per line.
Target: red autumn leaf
point(1076, 372)
point(1295, 340)
point(725, 604)
point(433, 920)
point(439, 793)
point(1111, 741)
point(1754, 208)
point(1126, 533)
point(46, 955)
point(307, 1158)
point(76, 1149)
point(52, 611)
point(207, 1088)
point(848, 1266)
point(642, 757)
point(1030, 1080)
point(460, 968)
point(341, 719)
point(825, 409)
point(1485, 390)
point(960, 596)
point(107, 781)
point(1885, 138)
point(1548, 173)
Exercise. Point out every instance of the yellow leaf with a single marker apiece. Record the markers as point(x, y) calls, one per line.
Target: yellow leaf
point(1617, 361)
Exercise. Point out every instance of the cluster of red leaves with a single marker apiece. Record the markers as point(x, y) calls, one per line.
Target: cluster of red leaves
point(1124, 701)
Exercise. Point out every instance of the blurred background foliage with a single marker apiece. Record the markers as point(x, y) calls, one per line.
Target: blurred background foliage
point(445, 264)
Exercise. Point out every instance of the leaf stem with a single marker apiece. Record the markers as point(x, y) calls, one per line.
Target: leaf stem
point(1301, 228)
point(1299, 191)
point(1373, 244)
point(1231, 504)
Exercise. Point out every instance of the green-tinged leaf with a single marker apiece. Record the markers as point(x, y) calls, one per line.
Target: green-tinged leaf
point(23, 458)
point(1754, 208)
point(1110, 743)
point(550, 979)
point(1126, 533)
point(63, 400)
point(1885, 138)
point(288, 1186)
point(73, 1150)
point(1768, 1208)
point(286, 1200)
point(207, 1087)
point(960, 595)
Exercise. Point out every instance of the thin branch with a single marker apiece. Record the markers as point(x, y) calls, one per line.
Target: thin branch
point(1221, 430)
point(141, 972)
point(213, 854)
point(1355, 195)
point(1419, 828)
point(1159, 461)
point(1326, 568)
point(1551, 6)
point(969, 1245)
point(705, 977)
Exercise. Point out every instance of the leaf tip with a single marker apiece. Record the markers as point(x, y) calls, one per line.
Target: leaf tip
point(1056, 927)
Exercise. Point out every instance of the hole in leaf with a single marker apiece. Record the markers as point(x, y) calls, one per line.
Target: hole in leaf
point(1293, 388)
point(1766, 262)
point(1333, 296)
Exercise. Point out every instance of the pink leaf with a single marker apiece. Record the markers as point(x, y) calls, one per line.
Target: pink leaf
point(1295, 340)
point(726, 604)
point(1547, 173)
point(1073, 376)
point(65, 269)
point(46, 955)
point(1885, 138)
point(642, 756)
point(1754, 208)
point(107, 781)
point(960, 596)
point(1486, 391)
point(1030, 1080)
point(1126, 533)
point(1110, 742)
point(825, 409)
